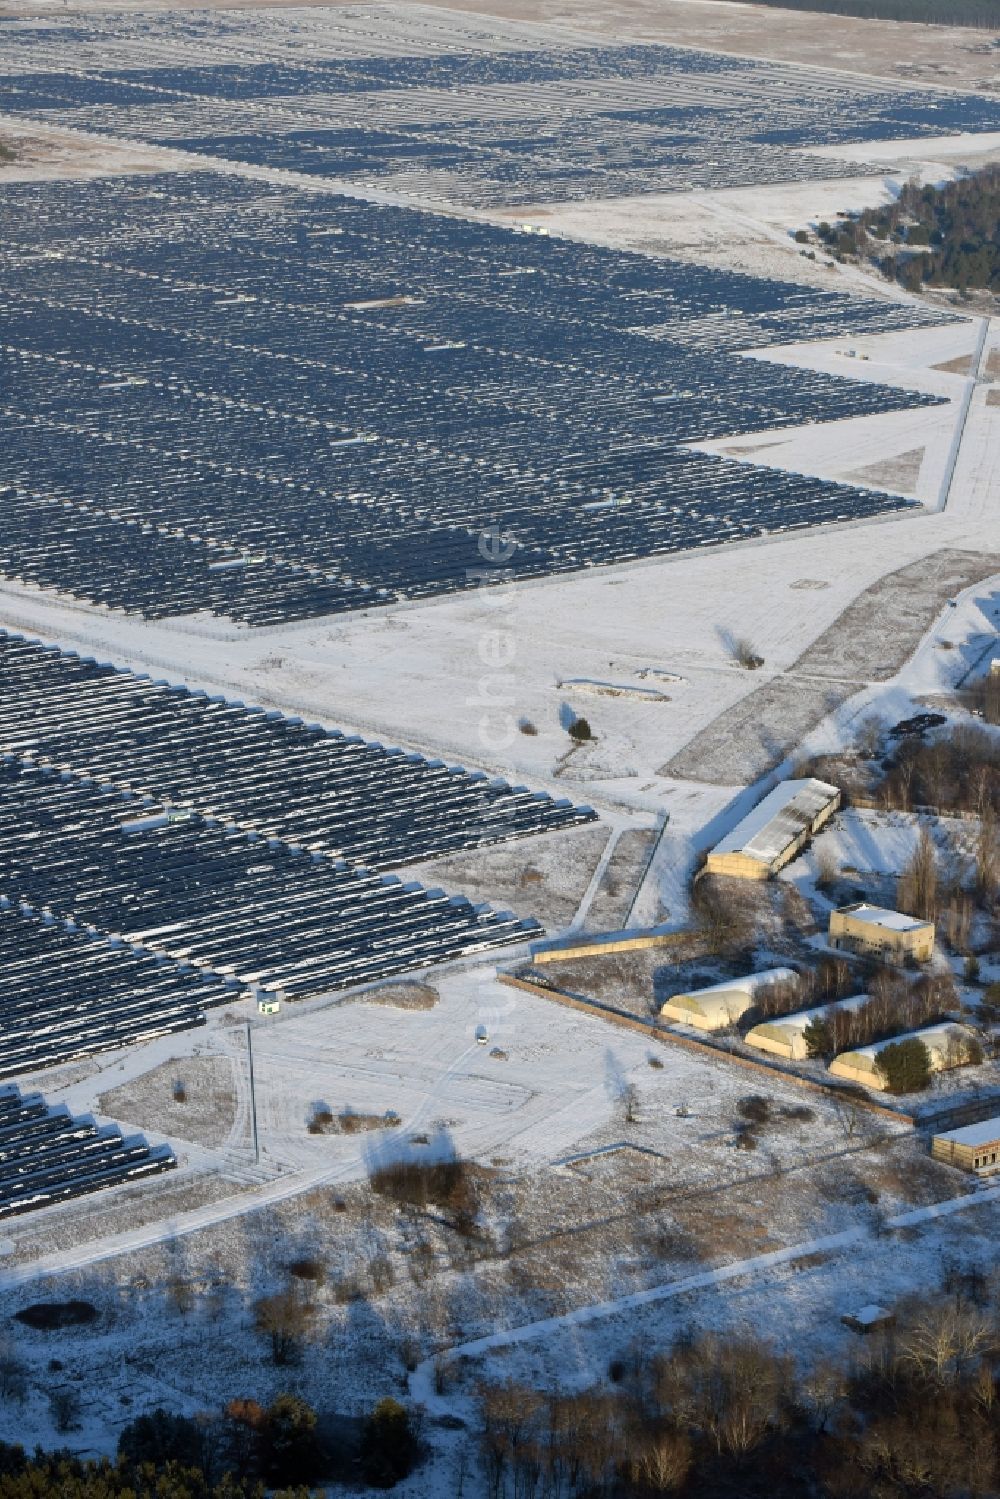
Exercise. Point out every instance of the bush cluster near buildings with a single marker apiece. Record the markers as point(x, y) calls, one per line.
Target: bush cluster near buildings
point(906, 1066)
point(958, 771)
point(955, 772)
point(930, 236)
point(894, 1005)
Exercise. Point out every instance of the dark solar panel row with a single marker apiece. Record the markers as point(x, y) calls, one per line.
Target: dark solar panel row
point(278, 405)
point(67, 994)
point(238, 906)
point(48, 1156)
point(325, 789)
point(483, 127)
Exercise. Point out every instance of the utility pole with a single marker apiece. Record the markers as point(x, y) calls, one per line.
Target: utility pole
point(253, 1098)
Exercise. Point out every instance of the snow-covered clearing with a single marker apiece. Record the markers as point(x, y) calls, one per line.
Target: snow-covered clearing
point(566, 1217)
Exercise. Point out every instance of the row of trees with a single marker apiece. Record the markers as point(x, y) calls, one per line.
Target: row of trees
point(917, 1414)
point(831, 979)
point(237, 1454)
point(894, 1004)
point(956, 771)
point(949, 893)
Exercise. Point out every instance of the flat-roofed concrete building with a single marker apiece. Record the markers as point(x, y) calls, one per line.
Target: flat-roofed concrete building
point(974, 1147)
point(719, 1005)
point(785, 1035)
point(775, 831)
point(949, 1045)
point(862, 928)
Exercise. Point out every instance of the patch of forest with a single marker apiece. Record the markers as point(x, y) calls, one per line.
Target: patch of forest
point(984, 13)
point(945, 237)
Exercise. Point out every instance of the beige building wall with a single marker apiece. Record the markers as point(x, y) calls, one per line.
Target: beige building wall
point(854, 932)
point(738, 866)
point(982, 1157)
point(780, 1041)
point(984, 1154)
point(742, 866)
point(945, 1048)
point(856, 1067)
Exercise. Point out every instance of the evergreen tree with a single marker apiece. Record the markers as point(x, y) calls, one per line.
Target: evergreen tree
point(818, 1037)
point(905, 1066)
point(389, 1445)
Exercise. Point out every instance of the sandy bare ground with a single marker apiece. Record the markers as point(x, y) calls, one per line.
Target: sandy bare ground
point(542, 877)
point(953, 56)
point(870, 641)
point(40, 154)
point(956, 57)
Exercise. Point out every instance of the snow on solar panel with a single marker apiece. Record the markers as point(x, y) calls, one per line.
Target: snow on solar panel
point(276, 404)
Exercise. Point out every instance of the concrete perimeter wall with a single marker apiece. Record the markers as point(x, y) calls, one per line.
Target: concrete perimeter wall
point(596, 946)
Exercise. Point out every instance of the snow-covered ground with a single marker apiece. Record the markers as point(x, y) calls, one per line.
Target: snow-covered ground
point(795, 1226)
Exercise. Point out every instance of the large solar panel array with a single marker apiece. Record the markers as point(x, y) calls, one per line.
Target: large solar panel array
point(501, 118)
point(275, 404)
point(163, 852)
point(48, 1156)
point(259, 771)
point(264, 913)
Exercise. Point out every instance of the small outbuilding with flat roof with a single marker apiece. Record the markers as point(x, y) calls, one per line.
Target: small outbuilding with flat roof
point(719, 1005)
point(862, 928)
point(775, 831)
point(974, 1147)
point(869, 1319)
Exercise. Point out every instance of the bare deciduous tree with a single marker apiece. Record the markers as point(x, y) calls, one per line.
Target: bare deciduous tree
point(917, 893)
point(286, 1318)
point(947, 1339)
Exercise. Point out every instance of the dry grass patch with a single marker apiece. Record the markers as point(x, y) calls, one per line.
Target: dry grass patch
point(909, 1176)
point(721, 1233)
point(190, 1098)
point(408, 996)
point(350, 1123)
point(610, 906)
point(545, 877)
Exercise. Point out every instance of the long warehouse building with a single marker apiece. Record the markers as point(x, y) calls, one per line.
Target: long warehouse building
point(776, 830)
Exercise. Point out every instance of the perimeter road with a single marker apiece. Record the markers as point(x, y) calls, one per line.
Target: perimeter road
point(971, 382)
point(424, 1377)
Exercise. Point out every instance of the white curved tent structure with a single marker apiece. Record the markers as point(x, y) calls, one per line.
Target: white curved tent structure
point(784, 1036)
point(947, 1045)
point(719, 1005)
